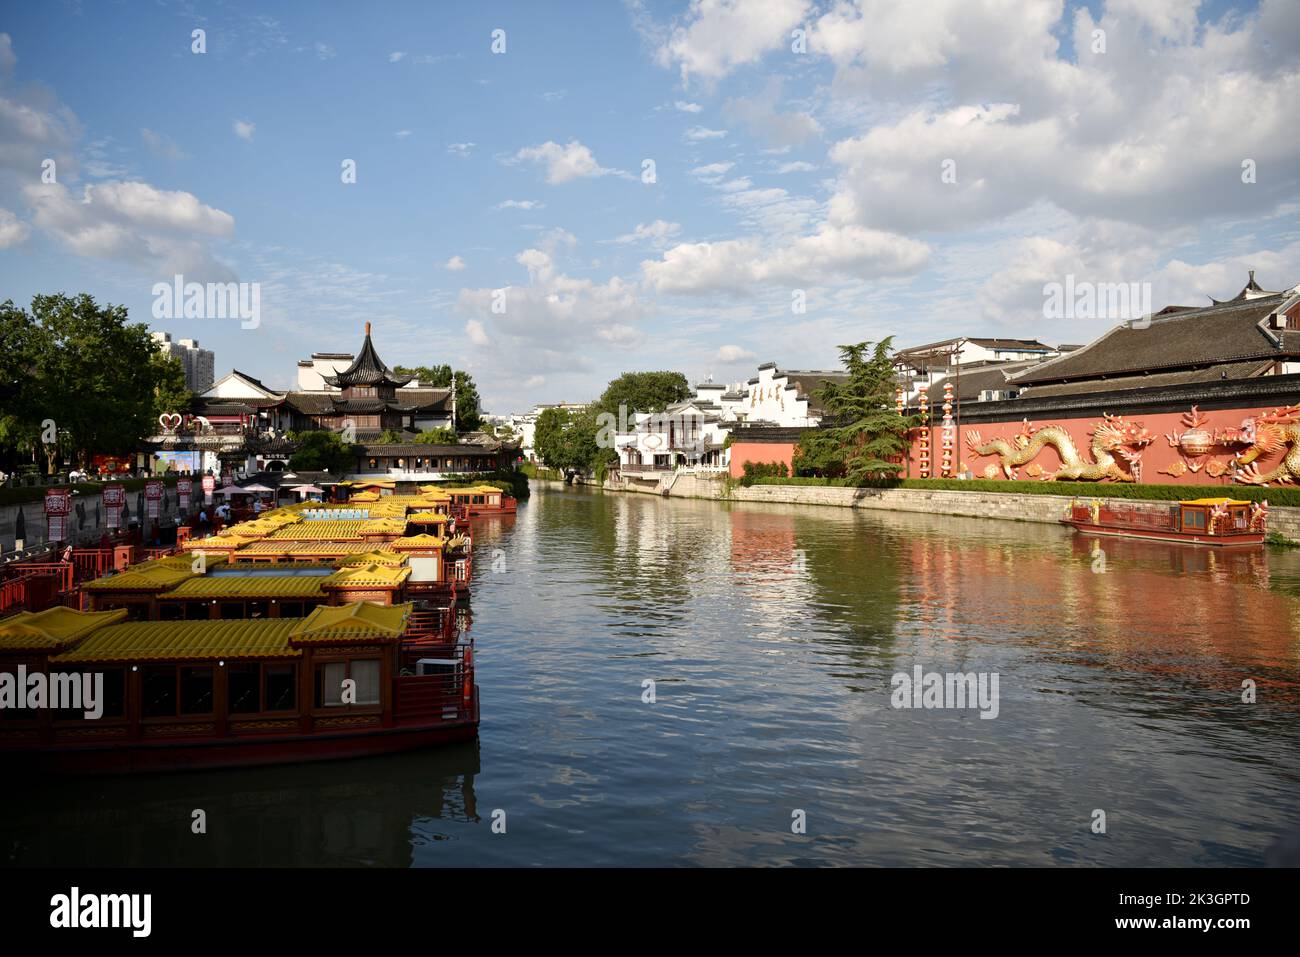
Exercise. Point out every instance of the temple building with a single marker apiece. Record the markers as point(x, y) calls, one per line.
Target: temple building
point(242, 425)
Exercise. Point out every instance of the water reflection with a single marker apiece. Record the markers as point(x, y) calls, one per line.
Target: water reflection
point(770, 634)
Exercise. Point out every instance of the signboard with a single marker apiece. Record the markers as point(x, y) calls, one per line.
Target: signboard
point(153, 492)
point(58, 503)
point(209, 486)
point(114, 499)
point(183, 489)
point(110, 464)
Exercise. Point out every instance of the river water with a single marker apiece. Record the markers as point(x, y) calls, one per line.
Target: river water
point(771, 635)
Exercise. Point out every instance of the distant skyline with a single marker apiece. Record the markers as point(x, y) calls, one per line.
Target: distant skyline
point(910, 169)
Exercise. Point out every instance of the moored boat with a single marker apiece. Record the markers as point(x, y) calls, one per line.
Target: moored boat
point(1202, 521)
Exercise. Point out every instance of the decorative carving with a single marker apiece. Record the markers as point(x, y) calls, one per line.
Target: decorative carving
point(1115, 443)
point(1264, 434)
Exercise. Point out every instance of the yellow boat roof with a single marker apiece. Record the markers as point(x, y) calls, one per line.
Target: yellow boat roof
point(52, 629)
point(186, 641)
point(1216, 501)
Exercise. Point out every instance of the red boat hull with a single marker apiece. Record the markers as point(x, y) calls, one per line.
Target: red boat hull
point(1165, 535)
point(179, 754)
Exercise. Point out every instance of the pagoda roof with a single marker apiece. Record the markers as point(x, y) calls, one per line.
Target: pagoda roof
point(186, 641)
point(367, 369)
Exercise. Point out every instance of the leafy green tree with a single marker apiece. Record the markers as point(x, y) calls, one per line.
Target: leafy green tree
point(869, 432)
point(468, 412)
point(19, 421)
point(818, 452)
point(170, 393)
point(436, 437)
point(321, 450)
point(548, 435)
point(644, 392)
point(391, 437)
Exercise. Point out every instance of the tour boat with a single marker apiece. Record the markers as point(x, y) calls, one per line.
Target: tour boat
point(187, 694)
point(298, 636)
point(480, 500)
point(1201, 521)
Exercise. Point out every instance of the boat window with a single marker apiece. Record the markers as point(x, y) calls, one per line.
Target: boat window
point(290, 609)
point(366, 674)
point(231, 610)
point(329, 684)
point(242, 689)
point(281, 684)
point(170, 611)
point(111, 700)
point(257, 609)
point(158, 691)
point(195, 610)
point(196, 691)
point(1193, 519)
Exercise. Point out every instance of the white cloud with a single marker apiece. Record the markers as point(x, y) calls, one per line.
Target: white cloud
point(396, 55)
point(657, 233)
point(760, 116)
point(685, 107)
point(697, 133)
point(732, 354)
point(524, 204)
point(476, 333)
point(13, 231)
point(324, 51)
point(244, 129)
point(160, 144)
point(455, 264)
point(799, 166)
point(463, 150)
point(402, 134)
point(712, 172)
point(719, 35)
point(563, 163)
point(162, 231)
point(7, 59)
point(739, 266)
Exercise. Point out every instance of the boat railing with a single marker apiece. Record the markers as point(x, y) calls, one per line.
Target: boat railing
point(1152, 516)
point(436, 683)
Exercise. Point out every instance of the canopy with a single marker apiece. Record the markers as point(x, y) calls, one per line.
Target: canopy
point(256, 488)
point(307, 490)
point(232, 490)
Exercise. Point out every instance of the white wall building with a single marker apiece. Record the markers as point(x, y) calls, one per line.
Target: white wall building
point(197, 363)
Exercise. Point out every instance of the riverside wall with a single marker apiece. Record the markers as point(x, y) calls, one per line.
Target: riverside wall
point(997, 505)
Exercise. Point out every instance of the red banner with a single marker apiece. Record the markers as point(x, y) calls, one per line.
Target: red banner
point(209, 485)
point(183, 489)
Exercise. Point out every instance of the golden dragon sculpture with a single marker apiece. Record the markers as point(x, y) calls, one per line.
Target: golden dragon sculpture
point(1113, 441)
point(1265, 434)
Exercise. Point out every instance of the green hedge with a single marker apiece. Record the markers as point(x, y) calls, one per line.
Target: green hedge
point(1163, 493)
point(36, 493)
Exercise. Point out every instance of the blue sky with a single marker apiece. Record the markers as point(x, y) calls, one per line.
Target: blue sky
point(778, 173)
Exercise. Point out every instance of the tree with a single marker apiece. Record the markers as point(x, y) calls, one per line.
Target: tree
point(468, 415)
point(818, 453)
point(643, 392)
point(321, 450)
point(548, 435)
point(19, 421)
point(170, 393)
point(436, 437)
point(870, 433)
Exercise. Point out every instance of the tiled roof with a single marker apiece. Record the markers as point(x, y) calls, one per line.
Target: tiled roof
point(186, 641)
point(418, 450)
point(253, 586)
point(1178, 340)
point(372, 573)
point(338, 531)
point(1154, 380)
point(413, 542)
point(359, 621)
point(378, 556)
point(367, 369)
point(299, 549)
point(53, 629)
point(148, 577)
